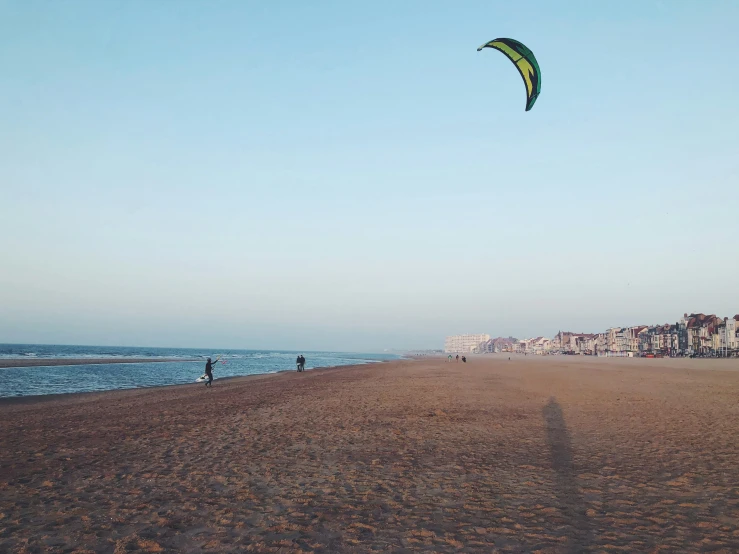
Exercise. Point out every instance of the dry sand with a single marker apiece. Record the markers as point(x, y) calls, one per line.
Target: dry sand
point(537, 454)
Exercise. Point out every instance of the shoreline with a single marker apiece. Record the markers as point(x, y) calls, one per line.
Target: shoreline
point(102, 395)
point(8, 363)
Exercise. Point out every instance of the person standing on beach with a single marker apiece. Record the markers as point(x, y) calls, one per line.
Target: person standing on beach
point(302, 363)
point(209, 373)
point(457, 358)
point(450, 357)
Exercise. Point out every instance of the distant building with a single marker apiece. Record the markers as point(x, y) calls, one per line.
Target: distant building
point(562, 341)
point(632, 338)
point(683, 339)
point(464, 343)
point(701, 329)
point(499, 344)
point(541, 345)
point(573, 343)
point(661, 340)
point(522, 346)
point(585, 343)
point(727, 340)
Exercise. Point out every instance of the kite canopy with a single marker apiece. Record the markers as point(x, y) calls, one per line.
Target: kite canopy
point(526, 63)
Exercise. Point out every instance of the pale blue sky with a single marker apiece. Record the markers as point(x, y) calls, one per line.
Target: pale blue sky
point(345, 175)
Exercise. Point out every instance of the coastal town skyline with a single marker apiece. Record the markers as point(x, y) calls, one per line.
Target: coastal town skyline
point(695, 334)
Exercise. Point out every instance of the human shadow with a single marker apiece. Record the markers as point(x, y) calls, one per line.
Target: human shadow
point(568, 493)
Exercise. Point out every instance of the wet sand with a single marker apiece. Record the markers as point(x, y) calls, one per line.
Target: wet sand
point(559, 454)
point(49, 362)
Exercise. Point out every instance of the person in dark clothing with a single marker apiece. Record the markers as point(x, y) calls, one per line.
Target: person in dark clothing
point(209, 373)
point(302, 363)
point(297, 363)
point(464, 359)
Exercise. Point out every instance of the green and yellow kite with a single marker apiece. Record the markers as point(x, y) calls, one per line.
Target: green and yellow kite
point(526, 63)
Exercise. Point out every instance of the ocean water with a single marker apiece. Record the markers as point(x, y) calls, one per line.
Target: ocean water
point(27, 381)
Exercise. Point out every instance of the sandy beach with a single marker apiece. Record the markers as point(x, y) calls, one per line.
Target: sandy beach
point(559, 454)
point(49, 362)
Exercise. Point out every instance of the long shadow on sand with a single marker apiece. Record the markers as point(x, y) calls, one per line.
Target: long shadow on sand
point(568, 493)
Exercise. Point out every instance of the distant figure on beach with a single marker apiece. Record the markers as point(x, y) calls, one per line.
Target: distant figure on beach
point(209, 373)
point(457, 357)
point(509, 358)
point(300, 362)
point(464, 359)
point(450, 358)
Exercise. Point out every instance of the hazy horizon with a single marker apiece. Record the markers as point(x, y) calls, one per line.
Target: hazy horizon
point(205, 348)
point(358, 177)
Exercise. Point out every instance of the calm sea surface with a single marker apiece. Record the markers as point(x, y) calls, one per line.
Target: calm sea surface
point(82, 378)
